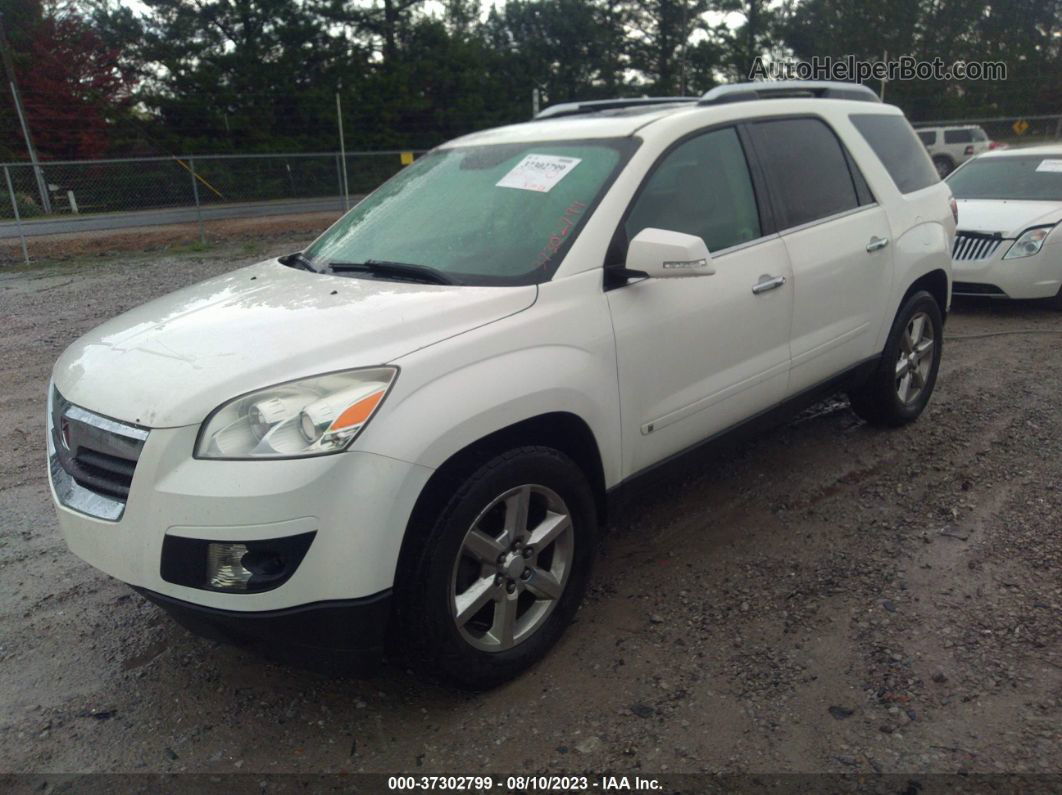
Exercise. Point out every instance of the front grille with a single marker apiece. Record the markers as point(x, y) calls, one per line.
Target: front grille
point(974, 288)
point(974, 246)
point(92, 458)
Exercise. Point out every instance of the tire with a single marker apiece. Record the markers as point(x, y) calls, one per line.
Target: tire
point(903, 381)
point(943, 165)
point(467, 610)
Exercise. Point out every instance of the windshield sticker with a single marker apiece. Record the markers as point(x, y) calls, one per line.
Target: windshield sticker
point(538, 172)
point(556, 240)
point(1050, 165)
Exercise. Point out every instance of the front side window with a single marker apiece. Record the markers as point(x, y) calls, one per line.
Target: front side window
point(496, 214)
point(958, 136)
point(928, 138)
point(806, 167)
point(1023, 177)
point(890, 138)
point(701, 188)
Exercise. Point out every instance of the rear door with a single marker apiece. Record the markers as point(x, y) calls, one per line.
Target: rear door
point(837, 239)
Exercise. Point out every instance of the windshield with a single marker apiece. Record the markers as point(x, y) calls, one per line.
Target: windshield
point(1021, 177)
point(497, 214)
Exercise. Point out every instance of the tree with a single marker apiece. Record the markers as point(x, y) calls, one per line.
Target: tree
point(73, 88)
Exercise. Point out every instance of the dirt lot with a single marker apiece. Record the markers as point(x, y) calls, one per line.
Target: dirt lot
point(827, 598)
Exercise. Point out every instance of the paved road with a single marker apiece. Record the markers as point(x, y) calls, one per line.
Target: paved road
point(169, 215)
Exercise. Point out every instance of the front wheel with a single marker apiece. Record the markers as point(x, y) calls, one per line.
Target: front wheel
point(901, 385)
point(499, 576)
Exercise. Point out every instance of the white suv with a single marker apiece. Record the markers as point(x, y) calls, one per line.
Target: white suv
point(950, 147)
point(413, 429)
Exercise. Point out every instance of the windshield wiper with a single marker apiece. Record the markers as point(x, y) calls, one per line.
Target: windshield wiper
point(298, 260)
point(394, 270)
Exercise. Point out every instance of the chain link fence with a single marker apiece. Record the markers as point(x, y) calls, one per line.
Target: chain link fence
point(65, 197)
point(57, 197)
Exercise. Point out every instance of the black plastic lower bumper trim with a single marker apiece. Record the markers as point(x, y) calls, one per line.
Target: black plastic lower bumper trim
point(340, 636)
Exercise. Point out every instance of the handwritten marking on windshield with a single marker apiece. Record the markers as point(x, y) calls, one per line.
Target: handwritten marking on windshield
point(567, 220)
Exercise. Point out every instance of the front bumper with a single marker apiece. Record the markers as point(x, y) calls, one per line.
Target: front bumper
point(331, 637)
point(1038, 276)
point(358, 505)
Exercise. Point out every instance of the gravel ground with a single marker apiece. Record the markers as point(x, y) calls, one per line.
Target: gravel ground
point(826, 598)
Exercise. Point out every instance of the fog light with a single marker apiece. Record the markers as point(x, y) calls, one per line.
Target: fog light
point(232, 566)
point(225, 569)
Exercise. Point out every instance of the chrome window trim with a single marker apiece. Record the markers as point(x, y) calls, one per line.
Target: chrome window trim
point(742, 246)
point(829, 218)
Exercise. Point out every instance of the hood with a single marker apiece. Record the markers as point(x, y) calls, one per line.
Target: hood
point(1007, 216)
point(172, 361)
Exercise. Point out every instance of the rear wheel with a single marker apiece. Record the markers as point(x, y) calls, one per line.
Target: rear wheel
point(901, 386)
point(502, 571)
point(943, 165)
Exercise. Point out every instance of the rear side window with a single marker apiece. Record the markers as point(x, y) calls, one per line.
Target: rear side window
point(958, 136)
point(806, 167)
point(899, 151)
point(927, 137)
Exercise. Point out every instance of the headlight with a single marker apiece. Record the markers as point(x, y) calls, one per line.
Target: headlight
point(311, 416)
point(1030, 242)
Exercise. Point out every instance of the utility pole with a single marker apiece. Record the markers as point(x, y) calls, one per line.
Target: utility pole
point(342, 148)
point(9, 67)
point(885, 59)
point(685, 43)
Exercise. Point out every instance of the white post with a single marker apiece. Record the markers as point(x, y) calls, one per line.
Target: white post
point(885, 60)
point(535, 99)
point(73, 202)
point(342, 148)
point(18, 218)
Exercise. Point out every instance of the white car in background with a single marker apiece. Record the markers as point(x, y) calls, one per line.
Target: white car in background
point(950, 147)
point(1008, 243)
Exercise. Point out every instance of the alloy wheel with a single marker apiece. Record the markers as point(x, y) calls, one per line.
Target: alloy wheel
point(512, 568)
point(915, 358)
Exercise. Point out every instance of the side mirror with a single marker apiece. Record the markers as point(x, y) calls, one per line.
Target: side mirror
point(662, 254)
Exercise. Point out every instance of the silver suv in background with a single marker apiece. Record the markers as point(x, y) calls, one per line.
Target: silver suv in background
point(950, 147)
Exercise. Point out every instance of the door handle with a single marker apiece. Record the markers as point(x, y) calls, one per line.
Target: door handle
point(876, 243)
point(766, 283)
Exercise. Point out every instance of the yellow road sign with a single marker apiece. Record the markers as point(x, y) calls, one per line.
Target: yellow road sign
point(1020, 126)
point(407, 157)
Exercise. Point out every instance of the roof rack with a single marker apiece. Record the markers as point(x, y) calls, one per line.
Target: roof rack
point(787, 89)
point(597, 105)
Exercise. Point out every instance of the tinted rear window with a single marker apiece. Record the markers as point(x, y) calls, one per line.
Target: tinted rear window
point(895, 144)
point(958, 136)
point(807, 167)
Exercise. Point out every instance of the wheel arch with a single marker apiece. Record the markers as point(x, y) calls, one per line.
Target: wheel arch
point(935, 282)
point(561, 430)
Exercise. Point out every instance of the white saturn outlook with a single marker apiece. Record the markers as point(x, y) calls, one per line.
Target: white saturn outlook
point(407, 436)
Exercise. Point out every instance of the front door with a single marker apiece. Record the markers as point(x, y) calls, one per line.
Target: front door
point(696, 355)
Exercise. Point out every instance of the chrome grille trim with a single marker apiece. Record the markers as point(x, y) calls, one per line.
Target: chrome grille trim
point(100, 452)
point(974, 246)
